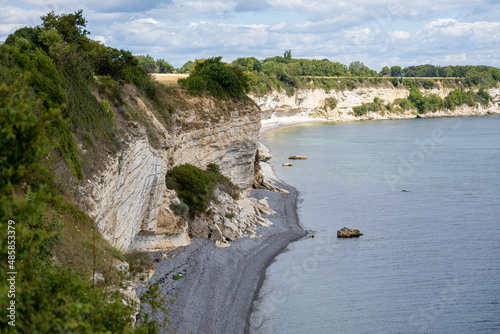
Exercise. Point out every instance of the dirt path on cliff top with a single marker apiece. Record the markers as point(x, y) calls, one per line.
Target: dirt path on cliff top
point(218, 285)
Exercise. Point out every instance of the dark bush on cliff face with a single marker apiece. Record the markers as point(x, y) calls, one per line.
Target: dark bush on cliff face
point(195, 187)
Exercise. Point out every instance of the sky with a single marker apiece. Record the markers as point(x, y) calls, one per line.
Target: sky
point(376, 32)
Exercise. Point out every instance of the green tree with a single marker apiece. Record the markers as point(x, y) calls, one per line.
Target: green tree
point(356, 68)
point(70, 26)
point(30, 34)
point(395, 71)
point(448, 71)
point(23, 139)
point(163, 66)
point(288, 55)
point(417, 99)
point(217, 78)
point(187, 67)
point(148, 63)
point(495, 74)
point(250, 64)
point(385, 71)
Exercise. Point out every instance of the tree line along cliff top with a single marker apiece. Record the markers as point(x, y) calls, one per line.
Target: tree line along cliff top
point(288, 73)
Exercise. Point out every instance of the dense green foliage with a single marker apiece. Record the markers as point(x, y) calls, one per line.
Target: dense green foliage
point(289, 73)
point(49, 76)
point(187, 67)
point(428, 103)
point(155, 66)
point(217, 78)
point(473, 73)
point(195, 186)
point(59, 63)
point(71, 27)
point(374, 106)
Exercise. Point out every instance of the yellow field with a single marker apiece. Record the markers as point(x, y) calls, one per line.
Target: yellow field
point(169, 79)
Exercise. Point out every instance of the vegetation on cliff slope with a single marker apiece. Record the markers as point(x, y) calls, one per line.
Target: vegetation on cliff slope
point(195, 186)
point(62, 112)
point(426, 103)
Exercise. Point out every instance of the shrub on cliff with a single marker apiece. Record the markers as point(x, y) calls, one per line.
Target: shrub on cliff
point(374, 106)
point(217, 79)
point(195, 187)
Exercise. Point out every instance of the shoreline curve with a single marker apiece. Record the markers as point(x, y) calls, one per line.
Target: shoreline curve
point(218, 287)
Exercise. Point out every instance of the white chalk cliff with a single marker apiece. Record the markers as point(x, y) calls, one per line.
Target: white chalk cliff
point(313, 103)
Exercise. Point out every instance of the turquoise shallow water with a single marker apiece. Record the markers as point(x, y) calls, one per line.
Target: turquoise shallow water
point(429, 259)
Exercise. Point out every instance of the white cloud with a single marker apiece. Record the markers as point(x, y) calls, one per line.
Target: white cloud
point(455, 59)
point(399, 35)
point(101, 39)
point(461, 35)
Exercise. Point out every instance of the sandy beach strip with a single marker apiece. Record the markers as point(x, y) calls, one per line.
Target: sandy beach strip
point(276, 122)
point(218, 285)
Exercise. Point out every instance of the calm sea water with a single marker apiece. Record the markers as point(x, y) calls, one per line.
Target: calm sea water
point(429, 259)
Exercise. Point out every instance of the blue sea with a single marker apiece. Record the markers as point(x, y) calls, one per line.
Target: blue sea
point(426, 195)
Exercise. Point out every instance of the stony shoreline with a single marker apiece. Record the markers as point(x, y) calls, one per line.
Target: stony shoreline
point(218, 285)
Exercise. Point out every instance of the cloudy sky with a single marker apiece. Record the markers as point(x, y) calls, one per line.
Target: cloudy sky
point(376, 32)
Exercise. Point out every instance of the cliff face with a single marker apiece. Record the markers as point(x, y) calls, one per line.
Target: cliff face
point(126, 197)
point(313, 103)
point(129, 200)
point(230, 142)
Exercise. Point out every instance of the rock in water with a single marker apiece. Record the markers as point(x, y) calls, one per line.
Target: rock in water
point(297, 157)
point(288, 164)
point(345, 232)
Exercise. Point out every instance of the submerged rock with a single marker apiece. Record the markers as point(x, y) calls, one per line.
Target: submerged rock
point(345, 232)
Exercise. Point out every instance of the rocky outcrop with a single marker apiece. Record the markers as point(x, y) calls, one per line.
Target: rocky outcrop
point(263, 155)
point(228, 219)
point(261, 180)
point(345, 232)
